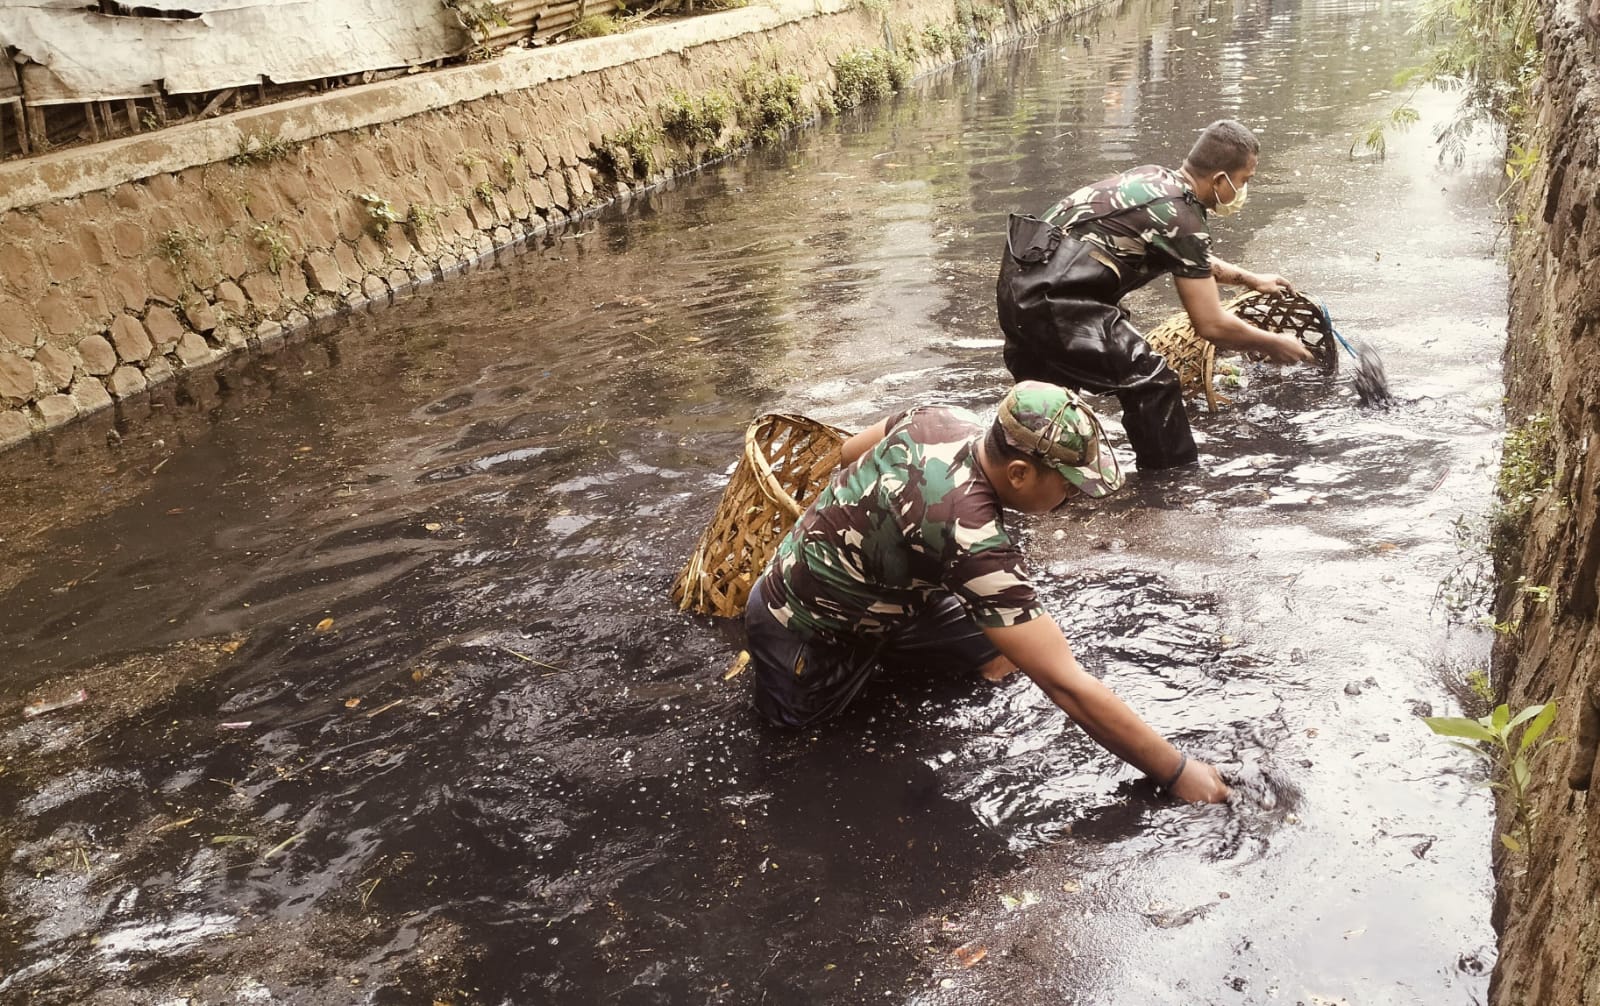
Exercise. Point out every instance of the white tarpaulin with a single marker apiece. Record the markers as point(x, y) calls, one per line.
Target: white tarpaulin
point(189, 46)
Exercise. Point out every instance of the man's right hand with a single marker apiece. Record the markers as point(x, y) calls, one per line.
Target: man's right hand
point(1285, 349)
point(1200, 783)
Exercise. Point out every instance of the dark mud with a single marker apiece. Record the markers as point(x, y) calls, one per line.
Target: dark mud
point(411, 718)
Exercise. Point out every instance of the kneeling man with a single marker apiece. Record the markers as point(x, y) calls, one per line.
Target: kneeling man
point(904, 559)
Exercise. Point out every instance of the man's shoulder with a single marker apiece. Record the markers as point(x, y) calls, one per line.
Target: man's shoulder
point(930, 423)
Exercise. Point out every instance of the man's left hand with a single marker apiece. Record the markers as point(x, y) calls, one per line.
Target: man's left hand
point(1267, 282)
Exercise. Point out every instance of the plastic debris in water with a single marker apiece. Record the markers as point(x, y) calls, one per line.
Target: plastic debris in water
point(43, 706)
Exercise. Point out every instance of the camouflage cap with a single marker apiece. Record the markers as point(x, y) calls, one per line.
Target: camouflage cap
point(1055, 426)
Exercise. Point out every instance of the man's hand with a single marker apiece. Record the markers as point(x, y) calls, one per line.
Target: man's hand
point(1267, 282)
point(1200, 783)
point(1283, 349)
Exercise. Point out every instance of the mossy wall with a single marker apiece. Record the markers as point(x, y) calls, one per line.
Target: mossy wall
point(110, 292)
point(1550, 537)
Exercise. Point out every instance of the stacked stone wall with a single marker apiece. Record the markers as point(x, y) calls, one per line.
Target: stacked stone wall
point(1545, 909)
point(118, 288)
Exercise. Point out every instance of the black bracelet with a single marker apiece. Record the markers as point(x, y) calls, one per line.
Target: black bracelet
point(1183, 763)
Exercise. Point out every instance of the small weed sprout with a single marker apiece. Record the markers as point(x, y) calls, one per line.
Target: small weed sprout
point(172, 244)
point(271, 239)
point(1505, 743)
point(594, 26)
point(380, 213)
point(260, 148)
point(485, 193)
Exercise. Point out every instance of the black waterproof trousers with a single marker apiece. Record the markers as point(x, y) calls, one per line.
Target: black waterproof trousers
point(1059, 310)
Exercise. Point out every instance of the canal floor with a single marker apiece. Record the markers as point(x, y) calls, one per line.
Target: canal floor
point(384, 700)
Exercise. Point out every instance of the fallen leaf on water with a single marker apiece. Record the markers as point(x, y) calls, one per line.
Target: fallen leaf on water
point(739, 663)
point(303, 449)
point(968, 954)
point(433, 526)
point(1071, 886)
point(418, 674)
point(231, 646)
point(1013, 902)
point(325, 625)
point(352, 703)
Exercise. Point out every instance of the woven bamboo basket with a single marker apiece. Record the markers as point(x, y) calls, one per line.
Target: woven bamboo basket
point(1194, 358)
point(787, 461)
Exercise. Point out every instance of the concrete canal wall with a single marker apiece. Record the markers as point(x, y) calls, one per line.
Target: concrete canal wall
point(127, 263)
point(1548, 557)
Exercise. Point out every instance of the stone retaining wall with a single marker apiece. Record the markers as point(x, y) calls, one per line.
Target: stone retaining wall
point(164, 252)
point(1549, 561)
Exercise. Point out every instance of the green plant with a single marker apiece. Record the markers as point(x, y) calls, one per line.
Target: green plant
point(630, 152)
point(479, 16)
point(173, 243)
point(260, 148)
point(380, 213)
point(771, 103)
point(270, 238)
point(695, 122)
point(1527, 469)
point(1520, 163)
point(485, 193)
point(1488, 50)
point(1505, 743)
point(421, 216)
point(863, 75)
point(594, 26)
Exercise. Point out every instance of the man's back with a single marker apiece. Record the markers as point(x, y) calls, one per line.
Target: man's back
point(913, 516)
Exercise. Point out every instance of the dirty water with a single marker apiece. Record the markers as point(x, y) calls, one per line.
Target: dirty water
point(386, 703)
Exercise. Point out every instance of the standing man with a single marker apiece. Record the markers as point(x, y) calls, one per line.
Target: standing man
point(904, 560)
point(1063, 278)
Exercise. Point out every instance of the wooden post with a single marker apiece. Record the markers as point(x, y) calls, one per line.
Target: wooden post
point(133, 116)
point(36, 126)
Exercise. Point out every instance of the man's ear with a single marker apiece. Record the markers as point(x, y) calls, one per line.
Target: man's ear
point(1017, 472)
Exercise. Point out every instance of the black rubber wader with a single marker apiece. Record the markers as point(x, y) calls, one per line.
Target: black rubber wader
point(1059, 310)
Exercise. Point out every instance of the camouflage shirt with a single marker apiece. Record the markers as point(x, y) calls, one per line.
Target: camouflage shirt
point(914, 516)
point(1145, 220)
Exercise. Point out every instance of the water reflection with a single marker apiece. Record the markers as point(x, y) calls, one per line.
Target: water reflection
point(437, 728)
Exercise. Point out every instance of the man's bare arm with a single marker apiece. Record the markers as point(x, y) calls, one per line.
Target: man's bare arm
point(860, 443)
point(1229, 274)
point(1041, 651)
point(1213, 324)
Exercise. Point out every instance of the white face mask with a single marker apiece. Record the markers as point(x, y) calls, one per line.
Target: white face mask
point(1241, 194)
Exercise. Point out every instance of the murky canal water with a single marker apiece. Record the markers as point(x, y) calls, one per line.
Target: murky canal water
point(386, 700)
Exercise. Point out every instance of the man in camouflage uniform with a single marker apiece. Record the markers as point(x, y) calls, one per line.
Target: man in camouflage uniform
point(905, 560)
point(1063, 277)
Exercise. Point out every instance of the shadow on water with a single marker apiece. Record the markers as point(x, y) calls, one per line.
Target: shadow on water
point(386, 701)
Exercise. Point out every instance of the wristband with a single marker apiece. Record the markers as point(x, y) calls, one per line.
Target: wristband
point(1183, 763)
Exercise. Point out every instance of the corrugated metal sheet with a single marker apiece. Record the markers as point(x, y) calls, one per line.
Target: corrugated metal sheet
point(83, 54)
point(521, 15)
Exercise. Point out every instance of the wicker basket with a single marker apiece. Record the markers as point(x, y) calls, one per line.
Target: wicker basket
point(1195, 359)
point(787, 461)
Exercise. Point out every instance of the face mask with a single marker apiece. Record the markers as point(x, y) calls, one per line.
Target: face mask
point(1241, 194)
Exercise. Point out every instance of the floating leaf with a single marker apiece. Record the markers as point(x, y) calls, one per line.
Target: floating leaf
point(1014, 902)
point(433, 525)
point(231, 646)
point(352, 703)
point(969, 954)
point(739, 664)
point(325, 625)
